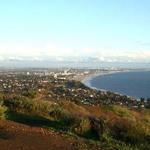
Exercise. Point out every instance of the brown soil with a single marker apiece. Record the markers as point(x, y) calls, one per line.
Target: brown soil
point(16, 136)
point(94, 110)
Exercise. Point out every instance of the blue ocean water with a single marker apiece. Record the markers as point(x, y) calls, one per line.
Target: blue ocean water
point(135, 84)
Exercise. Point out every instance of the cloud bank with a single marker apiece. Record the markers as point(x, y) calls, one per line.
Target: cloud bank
point(73, 55)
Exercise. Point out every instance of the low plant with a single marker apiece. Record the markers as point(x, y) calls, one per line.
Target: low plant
point(3, 109)
point(32, 107)
point(64, 117)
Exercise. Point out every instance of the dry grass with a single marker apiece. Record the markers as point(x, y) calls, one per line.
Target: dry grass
point(3, 109)
point(75, 109)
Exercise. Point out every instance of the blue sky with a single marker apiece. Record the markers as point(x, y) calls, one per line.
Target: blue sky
point(106, 30)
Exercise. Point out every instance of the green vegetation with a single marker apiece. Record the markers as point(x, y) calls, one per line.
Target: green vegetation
point(75, 84)
point(116, 127)
point(2, 110)
point(29, 93)
point(27, 106)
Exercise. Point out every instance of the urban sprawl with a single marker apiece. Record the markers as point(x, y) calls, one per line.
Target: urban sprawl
point(56, 85)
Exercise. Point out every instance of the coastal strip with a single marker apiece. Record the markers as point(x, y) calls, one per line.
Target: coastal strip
point(87, 81)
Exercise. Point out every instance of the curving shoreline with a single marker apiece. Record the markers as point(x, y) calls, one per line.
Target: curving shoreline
point(87, 81)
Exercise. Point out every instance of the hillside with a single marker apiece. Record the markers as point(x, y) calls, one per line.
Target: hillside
point(68, 115)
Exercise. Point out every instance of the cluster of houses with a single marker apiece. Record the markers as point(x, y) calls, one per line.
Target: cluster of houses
point(82, 94)
point(57, 86)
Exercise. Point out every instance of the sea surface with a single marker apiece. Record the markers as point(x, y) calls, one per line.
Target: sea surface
point(135, 84)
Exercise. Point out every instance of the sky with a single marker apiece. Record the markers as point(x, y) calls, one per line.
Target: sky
point(91, 30)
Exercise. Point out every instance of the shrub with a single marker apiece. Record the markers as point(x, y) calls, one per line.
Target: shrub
point(83, 128)
point(64, 117)
point(83, 125)
point(130, 132)
point(24, 105)
point(75, 84)
point(2, 111)
point(98, 126)
point(29, 93)
point(119, 129)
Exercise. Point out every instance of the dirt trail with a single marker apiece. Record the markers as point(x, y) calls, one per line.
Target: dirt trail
point(16, 136)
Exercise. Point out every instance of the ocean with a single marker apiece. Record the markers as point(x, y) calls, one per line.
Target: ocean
point(135, 84)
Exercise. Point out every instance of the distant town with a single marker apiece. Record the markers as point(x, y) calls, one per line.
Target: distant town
point(56, 85)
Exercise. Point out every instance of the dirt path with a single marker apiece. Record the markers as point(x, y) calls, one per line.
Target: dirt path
point(16, 136)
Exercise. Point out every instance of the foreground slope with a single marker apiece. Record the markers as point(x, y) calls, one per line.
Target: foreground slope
point(17, 136)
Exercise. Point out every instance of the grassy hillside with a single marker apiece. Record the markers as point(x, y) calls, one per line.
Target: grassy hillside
point(109, 127)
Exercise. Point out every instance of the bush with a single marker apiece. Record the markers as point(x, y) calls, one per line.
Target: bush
point(24, 105)
point(29, 93)
point(98, 126)
point(83, 126)
point(64, 117)
point(130, 132)
point(2, 111)
point(75, 84)
point(120, 129)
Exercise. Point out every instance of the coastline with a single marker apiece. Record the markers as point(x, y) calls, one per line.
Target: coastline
point(87, 78)
point(87, 81)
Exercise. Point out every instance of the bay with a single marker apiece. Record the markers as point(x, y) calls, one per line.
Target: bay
point(135, 84)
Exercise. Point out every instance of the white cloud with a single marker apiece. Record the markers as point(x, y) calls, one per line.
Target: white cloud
point(53, 51)
point(139, 55)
